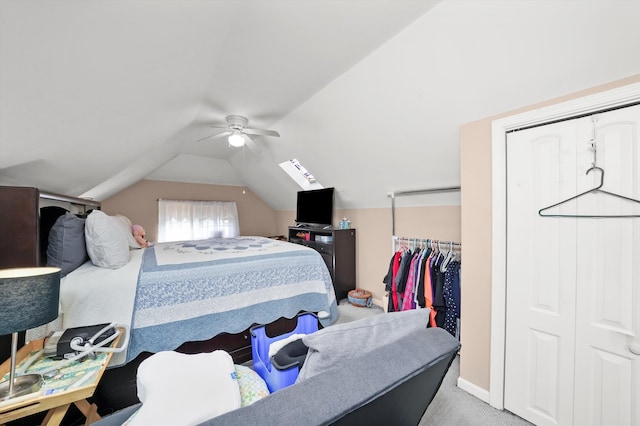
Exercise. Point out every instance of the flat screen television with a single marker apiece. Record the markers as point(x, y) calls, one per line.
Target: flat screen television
point(315, 207)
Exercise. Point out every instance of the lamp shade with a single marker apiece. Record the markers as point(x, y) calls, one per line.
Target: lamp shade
point(29, 297)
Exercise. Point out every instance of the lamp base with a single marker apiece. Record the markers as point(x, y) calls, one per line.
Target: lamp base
point(22, 385)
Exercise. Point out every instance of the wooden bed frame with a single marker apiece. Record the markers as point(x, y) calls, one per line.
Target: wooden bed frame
point(24, 233)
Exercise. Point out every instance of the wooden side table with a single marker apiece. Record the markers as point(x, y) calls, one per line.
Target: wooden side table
point(56, 403)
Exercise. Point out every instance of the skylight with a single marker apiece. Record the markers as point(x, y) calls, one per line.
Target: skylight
point(300, 175)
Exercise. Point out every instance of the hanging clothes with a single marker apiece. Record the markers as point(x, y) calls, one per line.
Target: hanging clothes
point(426, 278)
point(402, 276)
point(408, 294)
point(390, 281)
point(420, 298)
point(428, 288)
point(437, 281)
point(452, 307)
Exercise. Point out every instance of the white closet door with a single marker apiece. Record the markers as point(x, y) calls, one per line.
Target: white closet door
point(572, 284)
point(540, 276)
point(608, 278)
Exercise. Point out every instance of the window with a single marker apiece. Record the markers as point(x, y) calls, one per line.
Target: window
point(196, 220)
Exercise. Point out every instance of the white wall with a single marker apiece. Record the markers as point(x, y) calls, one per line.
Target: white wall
point(391, 122)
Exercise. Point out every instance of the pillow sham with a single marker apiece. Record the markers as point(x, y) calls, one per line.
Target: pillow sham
point(66, 248)
point(332, 346)
point(106, 245)
point(124, 224)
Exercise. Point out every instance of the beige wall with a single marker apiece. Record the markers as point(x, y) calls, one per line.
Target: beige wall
point(475, 166)
point(139, 202)
point(373, 236)
point(373, 226)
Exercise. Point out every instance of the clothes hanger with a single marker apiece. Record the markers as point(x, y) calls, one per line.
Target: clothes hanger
point(448, 258)
point(437, 256)
point(594, 190)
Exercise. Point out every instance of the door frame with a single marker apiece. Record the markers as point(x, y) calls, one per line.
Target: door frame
point(576, 107)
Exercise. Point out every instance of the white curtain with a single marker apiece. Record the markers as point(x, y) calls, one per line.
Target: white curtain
point(196, 220)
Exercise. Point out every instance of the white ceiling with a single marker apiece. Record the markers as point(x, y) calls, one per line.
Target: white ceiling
point(367, 94)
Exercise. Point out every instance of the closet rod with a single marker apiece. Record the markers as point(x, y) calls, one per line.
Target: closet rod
point(395, 239)
point(410, 239)
point(395, 194)
point(73, 200)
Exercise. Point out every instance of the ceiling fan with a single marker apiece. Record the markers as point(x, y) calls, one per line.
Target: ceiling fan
point(238, 133)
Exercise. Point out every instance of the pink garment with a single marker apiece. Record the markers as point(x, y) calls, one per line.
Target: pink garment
point(407, 296)
point(396, 265)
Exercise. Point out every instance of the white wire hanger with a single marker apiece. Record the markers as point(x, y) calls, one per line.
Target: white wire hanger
point(597, 189)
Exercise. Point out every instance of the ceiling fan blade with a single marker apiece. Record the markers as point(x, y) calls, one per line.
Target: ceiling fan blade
point(221, 126)
point(261, 132)
point(251, 144)
point(215, 136)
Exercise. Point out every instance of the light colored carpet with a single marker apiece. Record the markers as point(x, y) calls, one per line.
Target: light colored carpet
point(451, 405)
point(349, 313)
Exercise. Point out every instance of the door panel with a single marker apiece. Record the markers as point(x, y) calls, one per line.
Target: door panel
point(540, 277)
point(573, 285)
point(609, 282)
point(543, 364)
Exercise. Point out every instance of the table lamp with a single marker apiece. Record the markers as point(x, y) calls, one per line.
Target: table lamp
point(28, 298)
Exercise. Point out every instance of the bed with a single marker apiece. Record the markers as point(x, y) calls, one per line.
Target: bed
point(177, 292)
point(171, 294)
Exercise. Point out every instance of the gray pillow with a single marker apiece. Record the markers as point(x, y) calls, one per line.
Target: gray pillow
point(66, 248)
point(332, 346)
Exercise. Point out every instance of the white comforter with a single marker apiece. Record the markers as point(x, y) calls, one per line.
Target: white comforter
point(106, 296)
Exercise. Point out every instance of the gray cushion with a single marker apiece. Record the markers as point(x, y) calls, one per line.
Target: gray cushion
point(67, 249)
point(334, 345)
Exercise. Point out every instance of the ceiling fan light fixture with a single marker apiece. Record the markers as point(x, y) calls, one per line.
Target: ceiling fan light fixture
point(236, 139)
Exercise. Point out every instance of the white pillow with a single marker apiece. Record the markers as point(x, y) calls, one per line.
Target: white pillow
point(124, 223)
point(185, 389)
point(279, 344)
point(106, 244)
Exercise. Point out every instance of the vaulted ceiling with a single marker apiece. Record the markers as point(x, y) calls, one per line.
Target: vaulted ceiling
point(367, 94)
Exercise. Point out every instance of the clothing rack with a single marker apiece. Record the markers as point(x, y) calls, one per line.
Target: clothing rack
point(395, 194)
point(418, 277)
point(397, 242)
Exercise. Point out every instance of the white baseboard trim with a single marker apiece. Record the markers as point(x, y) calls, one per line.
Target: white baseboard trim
point(380, 302)
point(474, 390)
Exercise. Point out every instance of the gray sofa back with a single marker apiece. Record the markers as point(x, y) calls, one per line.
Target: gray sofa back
point(392, 384)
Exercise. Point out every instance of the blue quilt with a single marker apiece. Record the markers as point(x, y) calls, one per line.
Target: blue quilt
point(194, 290)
